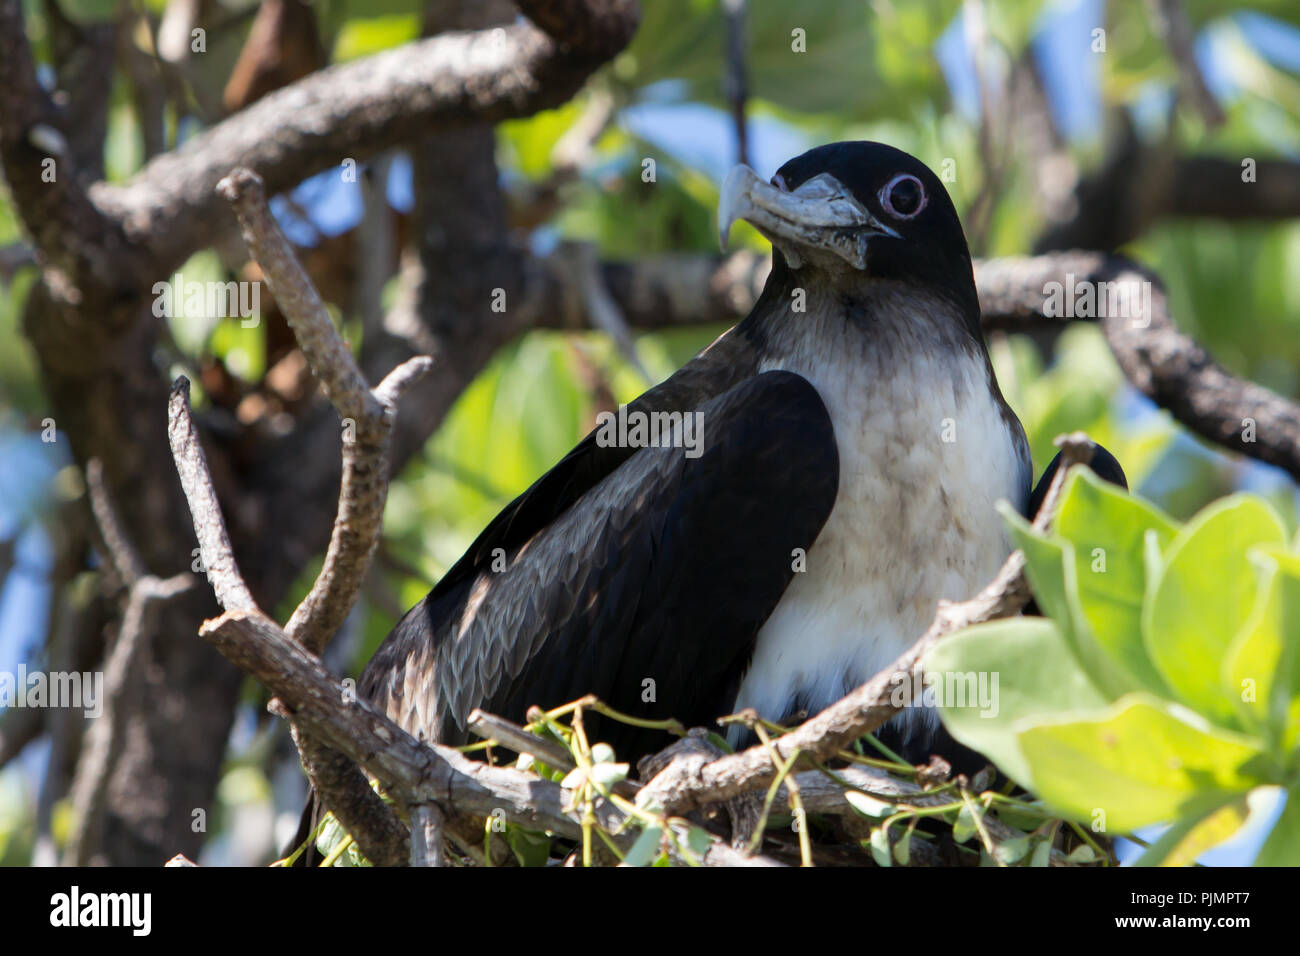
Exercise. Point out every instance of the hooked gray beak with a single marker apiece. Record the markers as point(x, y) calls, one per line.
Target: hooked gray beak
point(819, 217)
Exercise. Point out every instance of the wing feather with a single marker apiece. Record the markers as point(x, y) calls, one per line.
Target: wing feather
point(656, 576)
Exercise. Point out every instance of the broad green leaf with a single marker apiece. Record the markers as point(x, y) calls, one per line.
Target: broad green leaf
point(531, 140)
point(1013, 815)
point(1204, 592)
point(1037, 678)
point(1144, 762)
point(1220, 825)
point(1107, 527)
point(181, 298)
point(1262, 670)
point(1156, 853)
point(1282, 848)
point(1050, 567)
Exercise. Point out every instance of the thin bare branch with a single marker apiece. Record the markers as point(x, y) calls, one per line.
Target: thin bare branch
point(19, 726)
point(509, 734)
point(107, 735)
point(120, 550)
point(214, 542)
point(326, 352)
point(1171, 19)
point(1171, 369)
point(412, 772)
point(367, 415)
point(601, 307)
point(68, 230)
point(736, 82)
point(346, 792)
point(359, 109)
point(405, 376)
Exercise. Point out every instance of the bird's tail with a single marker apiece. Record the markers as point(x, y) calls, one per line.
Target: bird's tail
point(312, 814)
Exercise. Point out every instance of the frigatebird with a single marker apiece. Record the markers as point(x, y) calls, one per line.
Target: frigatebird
point(853, 442)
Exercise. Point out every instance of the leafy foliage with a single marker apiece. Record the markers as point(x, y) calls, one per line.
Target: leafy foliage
point(1164, 685)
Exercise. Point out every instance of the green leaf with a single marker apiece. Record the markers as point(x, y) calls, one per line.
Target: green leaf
point(646, 847)
point(1205, 590)
point(1038, 678)
point(903, 849)
point(363, 36)
point(1011, 851)
point(1042, 854)
point(574, 779)
point(1262, 670)
point(88, 11)
point(963, 827)
point(530, 847)
point(1282, 848)
point(1021, 818)
point(1049, 565)
point(1082, 854)
point(1107, 528)
point(880, 847)
point(698, 840)
point(1144, 762)
point(868, 806)
point(605, 775)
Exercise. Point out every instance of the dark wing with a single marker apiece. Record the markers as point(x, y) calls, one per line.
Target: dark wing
point(648, 590)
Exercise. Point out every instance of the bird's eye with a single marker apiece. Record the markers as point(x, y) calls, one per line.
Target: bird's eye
point(903, 196)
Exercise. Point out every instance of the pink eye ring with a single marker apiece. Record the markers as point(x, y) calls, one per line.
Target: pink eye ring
point(903, 197)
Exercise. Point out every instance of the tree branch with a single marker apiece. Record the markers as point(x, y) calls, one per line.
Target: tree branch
point(1171, 369)
point(106, 736)
point(70, 233)
point(413, 773)
point(356, 110)
point(345, 791)
point(1165, 365)
point(1172, 21)
point(218, 558)
point(367, 415)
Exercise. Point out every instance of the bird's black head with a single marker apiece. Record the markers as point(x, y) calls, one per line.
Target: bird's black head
point(857, 211)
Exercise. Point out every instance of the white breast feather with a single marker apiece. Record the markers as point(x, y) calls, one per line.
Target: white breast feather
point(913, 522)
